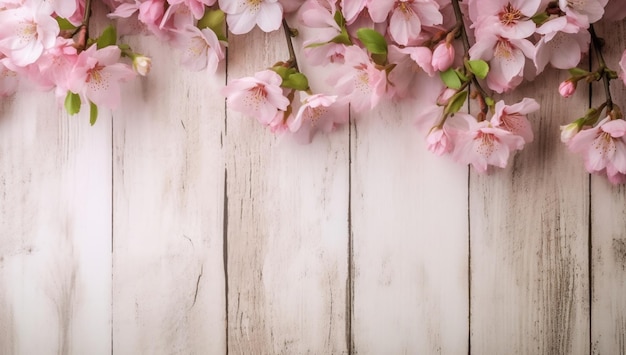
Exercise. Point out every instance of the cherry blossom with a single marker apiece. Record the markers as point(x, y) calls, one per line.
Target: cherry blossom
point(243, 15)
point(201, 49)
point(319, 112)
point(260, 96)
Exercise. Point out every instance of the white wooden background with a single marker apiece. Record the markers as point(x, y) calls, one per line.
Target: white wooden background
point(177, 226)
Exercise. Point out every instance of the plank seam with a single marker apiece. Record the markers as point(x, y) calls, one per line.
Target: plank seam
point(350, 280)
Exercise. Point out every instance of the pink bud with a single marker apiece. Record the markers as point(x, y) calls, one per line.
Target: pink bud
point(438, 142)
point(443, 56)
point(445, 96)
point(567, 88)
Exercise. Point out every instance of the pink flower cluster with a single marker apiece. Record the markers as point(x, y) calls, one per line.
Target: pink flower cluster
point(371, 51)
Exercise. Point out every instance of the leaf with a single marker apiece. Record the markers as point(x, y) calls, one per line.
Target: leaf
point(72, 103)
point(107, 38)
point(93, 113)
point(297, 81)
point(372, 40)
point(64, 24)
point(283, 71)
point(540, 18)
point(342, 38)
point(479, 67)
point(456, 102)
point(214, 20)
point(451, 79)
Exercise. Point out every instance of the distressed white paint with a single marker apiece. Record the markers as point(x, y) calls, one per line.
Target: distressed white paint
point(608, 233)
point(528, 240)
point(178, 226)
point(168, 190)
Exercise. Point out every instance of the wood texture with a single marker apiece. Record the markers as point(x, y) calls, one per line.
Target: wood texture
point(608, 228)
point(55, 229)
point(168, 266)
point(529, 240)
point(287, 222)
point(409, 263)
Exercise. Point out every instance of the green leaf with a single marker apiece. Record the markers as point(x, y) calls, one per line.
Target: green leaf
point(297, 81)
point(64, 24)
point(479, 67)
point(215, 20)
point(372, 40)
point(72, 103)
point(456, 102)
point(451, 79)
point(339, 19)
point(93, 113)
point(283, 71)
point(107, 38)
point(540, 18)
point(578, 72)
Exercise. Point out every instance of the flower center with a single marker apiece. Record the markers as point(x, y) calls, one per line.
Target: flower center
point(487, 144)
point(509, 15)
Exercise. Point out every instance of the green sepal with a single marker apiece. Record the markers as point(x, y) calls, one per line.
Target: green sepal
point(283, 71)
point(107, 38)
point(478, 67)
point(64, 24)
point(214, 20)
point(578, 72)
point(540, 18)
point(456, 102)
point(297, 81)
point(72, 103)
point(451, 79)
point(342, 38)
point(93, 113)
point(373, 41)
point(489, 101)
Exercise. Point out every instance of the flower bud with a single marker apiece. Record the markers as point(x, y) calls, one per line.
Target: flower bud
point(445, 96)
point(570, 130)
point(438, 141)
point(443, 56)
point(567, 88)
point(142, 64)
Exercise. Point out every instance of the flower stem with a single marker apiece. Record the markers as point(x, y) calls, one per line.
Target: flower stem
point(289, 32)
point(603, 70)
point(466, 45)
point(83, 29)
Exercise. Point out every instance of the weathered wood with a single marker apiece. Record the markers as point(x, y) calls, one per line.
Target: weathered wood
point(608, 227)
point(287, 237)
point(528, 239)
point(168, 280)
point(409, 260)
point(55, 229)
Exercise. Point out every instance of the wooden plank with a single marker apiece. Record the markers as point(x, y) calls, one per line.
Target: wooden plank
point(55, 228)
point(528, 239)
point(168, 280)
point(409, 237)
point(287, 227)
point(608, 228)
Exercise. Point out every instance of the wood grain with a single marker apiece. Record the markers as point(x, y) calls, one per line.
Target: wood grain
point(55, 229)
point(410, 262)
point(608, 227)
point(287, 216)
point(529, 240)
point(168, 280)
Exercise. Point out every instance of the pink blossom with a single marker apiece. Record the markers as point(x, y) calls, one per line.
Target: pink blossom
point(514, 118)
point(195, 6)
point(567, 88)
point(243, 15)
point(603, 148)
point(359, 81)
point(260, 96)
point(407, 17)
point(482, 144)
point(319, 112)
point(561, 45)
point(586, 11)
point(97, 74)
point(201, 49)
point(439, 141)
point(410, 65)
point(352, 9)
point(27, 31)
point(507, 18)
point(443, 56)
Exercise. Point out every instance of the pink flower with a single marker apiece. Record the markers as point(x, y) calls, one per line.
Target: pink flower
point(443, 56)
point(567, 88)
point(482, 144)
point(319, 112)
point(513, 118)
point(97, 74)
point(27, 31)
point(561, 45)
point(260, 96)
point(439, 141)
point(243, 15)
point(587, 11)
point(507, 18)
point(411, 65)
point(407, 17)
point(359, 81)
point(201, 49)
point(603, 148)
